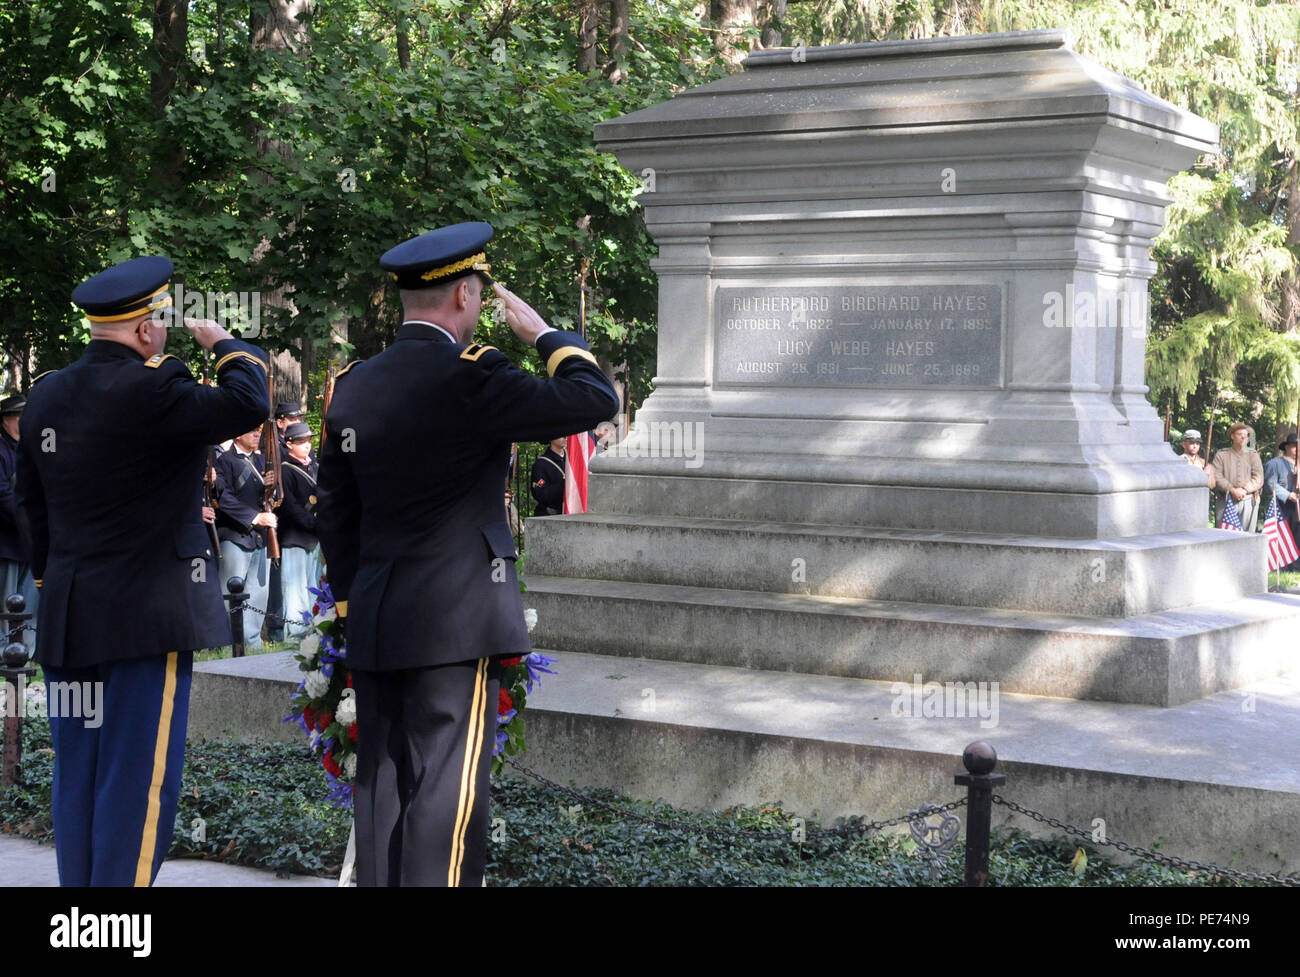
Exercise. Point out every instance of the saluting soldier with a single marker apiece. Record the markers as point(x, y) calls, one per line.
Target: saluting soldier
point(421, 560)
point(112, 452)
point(299, 550)
point(242, 525)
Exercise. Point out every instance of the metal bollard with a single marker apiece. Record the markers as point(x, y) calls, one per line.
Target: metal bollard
point(979, 759)
point(16, 672)
point(236, 597)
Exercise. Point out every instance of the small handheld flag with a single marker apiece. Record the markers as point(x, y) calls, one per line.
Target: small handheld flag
point(1281, 543)
point(1230, 519)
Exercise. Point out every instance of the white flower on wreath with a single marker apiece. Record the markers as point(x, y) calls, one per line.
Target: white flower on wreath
point(329, 614)
point(345, 712)
point(317, 684)
point(530, 619)
point(350, 765)
point(310, 645)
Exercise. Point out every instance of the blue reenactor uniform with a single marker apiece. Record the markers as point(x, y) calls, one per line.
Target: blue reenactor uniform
point(239, 490)
point(422, 561)
point(300, 564)
point(111, 457)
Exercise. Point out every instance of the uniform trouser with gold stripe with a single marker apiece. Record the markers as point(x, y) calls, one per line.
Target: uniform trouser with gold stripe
point(117, 774)
point(424, 756)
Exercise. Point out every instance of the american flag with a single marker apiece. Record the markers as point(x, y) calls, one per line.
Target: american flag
point(1281, 544)
point(1230, 519)
point(577, 453)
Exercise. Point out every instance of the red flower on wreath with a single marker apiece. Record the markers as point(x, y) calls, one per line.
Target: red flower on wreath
point(352, 732)
point(511, 662)
point(327, 761)
point(349, 680)
point(326, 717)
point(309, 717)
point(504, 702)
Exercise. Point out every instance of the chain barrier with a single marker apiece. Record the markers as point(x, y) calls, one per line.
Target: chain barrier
point(1186, 864)
point(852, 828)
point(839, 831)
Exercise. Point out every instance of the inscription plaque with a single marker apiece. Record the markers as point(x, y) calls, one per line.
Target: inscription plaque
point(859, 335)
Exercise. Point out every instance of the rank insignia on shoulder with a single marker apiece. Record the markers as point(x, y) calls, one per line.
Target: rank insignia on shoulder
point(339, 376)
point(41, 376)
point(154, 362)
point(472, 353)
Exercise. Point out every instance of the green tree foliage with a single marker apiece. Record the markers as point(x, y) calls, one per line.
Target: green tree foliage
point(490, 120)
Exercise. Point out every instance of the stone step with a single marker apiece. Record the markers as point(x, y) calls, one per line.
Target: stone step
point(1161, 659)
point(818, 492)
point(1108, 578)
point(1213, 779)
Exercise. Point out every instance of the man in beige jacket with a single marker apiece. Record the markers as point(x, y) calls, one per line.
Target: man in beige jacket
point(1239, 473)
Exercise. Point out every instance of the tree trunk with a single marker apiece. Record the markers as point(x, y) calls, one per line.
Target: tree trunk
point(403, 43)
point(618, 33)
point(170, 44)
point(774, 24)
point(276, 25)
point(588, 19)
point(731, 17)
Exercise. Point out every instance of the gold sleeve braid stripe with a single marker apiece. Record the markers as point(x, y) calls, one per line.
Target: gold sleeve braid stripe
point(236, 355)
point(563, 353)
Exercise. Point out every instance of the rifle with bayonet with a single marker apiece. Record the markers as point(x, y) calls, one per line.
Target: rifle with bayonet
point(272, 493)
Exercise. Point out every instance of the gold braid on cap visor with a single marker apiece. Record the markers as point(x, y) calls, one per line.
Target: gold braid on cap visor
point(478, 262)
point(151, 302)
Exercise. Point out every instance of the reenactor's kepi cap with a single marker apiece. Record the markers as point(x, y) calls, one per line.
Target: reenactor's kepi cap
point(13, 405)
point(289, 410)
point(440, 256)
point(126, 291)
point(1191, 434)
point(297, 430)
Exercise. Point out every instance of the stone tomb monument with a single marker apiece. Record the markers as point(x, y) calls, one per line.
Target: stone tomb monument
point(899, 425)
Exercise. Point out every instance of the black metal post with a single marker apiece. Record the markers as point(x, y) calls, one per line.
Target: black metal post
point(16, 672)
point(237, 598)
point(979, 759)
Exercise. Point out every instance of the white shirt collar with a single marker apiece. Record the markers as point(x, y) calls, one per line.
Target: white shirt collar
point(422, 322)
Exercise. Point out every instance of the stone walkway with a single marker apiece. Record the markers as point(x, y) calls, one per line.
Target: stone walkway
point(27, 863)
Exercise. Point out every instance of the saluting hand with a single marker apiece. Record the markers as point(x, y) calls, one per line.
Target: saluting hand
point(521, 317)
point(206, 332)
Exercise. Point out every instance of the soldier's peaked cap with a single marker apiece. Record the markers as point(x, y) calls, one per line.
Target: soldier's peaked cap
point(125, 291)
point(440, 256)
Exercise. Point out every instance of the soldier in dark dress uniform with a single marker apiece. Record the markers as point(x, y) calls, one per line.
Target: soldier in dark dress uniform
point(110, 462)
point(242, 525)
point(299, 550)
point(420, 557)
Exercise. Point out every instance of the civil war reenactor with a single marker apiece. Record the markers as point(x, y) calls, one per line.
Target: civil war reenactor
point(546, 480)
point(300, 565)
point(15, 573)
point(242, 527)
point(418, 438)
point(286, 413)
point(109, 464)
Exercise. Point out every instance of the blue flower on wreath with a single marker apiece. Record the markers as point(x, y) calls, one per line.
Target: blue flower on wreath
point(322, 595)
point(536, 664)
point(502, 739)
point(340, 791)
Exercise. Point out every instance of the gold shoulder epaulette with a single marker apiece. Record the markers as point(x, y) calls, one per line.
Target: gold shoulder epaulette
point(154, 362)
point(339, 376)
point(40, 376)
point(472, 353)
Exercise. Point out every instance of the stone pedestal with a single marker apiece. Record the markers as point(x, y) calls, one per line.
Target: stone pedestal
point(899, 417)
